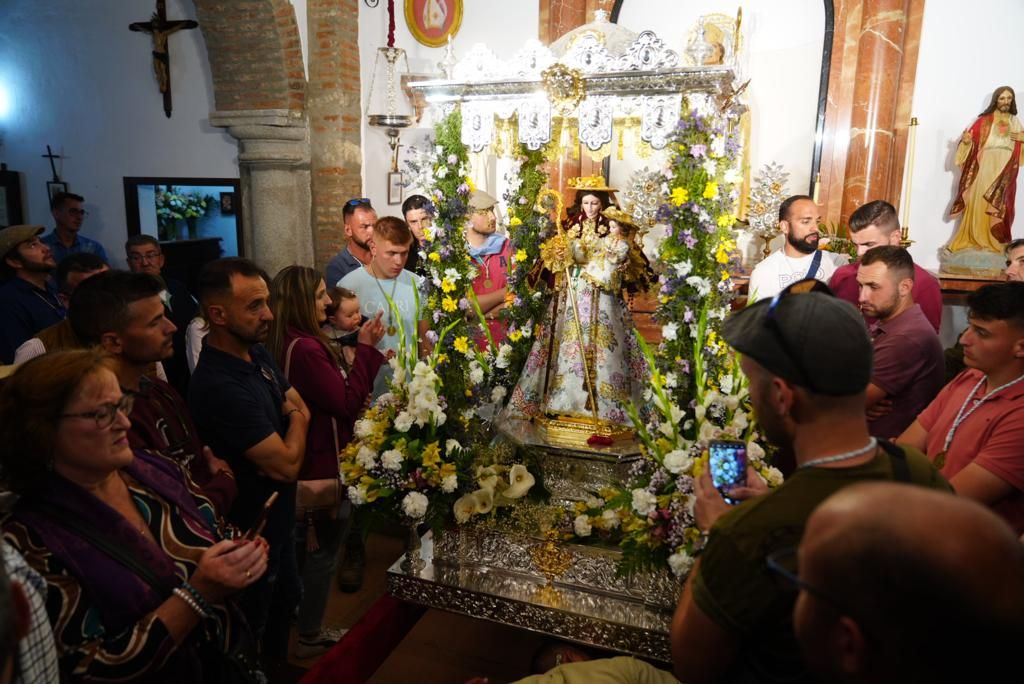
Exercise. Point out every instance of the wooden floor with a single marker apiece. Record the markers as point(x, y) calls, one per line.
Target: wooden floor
point(442, 647)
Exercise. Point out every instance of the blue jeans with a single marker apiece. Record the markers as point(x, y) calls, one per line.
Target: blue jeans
point(317, 569)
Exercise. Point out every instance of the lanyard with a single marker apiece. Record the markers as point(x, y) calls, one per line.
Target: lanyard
point(961, 416)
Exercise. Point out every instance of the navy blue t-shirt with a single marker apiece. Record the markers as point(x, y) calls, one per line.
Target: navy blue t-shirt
point(25, 310)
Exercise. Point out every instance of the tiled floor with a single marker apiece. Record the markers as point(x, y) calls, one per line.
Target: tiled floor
point(442, 647)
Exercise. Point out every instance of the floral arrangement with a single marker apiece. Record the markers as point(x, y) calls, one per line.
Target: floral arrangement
point(835, 237)
point(172, 206)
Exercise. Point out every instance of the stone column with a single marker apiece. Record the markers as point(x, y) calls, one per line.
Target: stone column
point(870, 156)
point(273, 161)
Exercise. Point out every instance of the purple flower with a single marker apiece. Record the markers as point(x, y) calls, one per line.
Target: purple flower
point(437, 316)
point(464, 304)
point(463, 189)
point(684, 364)
point(698, 151)
point(688, 315)
point(432, 336)
point(452, 159)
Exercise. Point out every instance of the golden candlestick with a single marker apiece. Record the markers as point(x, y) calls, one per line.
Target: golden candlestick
point(905, 240)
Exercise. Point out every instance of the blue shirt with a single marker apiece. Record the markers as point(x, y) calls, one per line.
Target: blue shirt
point(24, 311)
point(80, 244)
point(340, 266)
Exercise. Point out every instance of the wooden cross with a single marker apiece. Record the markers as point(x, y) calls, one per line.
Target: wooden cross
point(51, 156)
point(161, 28)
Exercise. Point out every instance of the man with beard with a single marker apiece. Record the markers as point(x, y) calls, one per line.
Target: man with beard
point(808, 358)
point(359, 218)
point(491, 253)
point(27, 304)
point(251, 417)
point(799, 257)
point(124, 314)
point(1015, 261)
point(66, 239)
point(872, 225)
point(908, 368)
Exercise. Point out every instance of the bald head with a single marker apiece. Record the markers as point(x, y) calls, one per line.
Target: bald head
point(929, 579)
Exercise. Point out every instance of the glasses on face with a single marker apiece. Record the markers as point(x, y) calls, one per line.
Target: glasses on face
point(140, 258)
point(772, 323)
point(104, 415)
point(784, 564)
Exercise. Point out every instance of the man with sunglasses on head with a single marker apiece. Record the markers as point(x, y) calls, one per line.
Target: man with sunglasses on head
point(799, 257)
point(65, 240)
point(901, 584)
point(359, 217)
point(808, 358)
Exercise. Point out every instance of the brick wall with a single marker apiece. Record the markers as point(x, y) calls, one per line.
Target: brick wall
point(255, 54)
point(334, 112)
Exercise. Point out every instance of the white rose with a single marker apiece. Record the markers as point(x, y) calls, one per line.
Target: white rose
point(504, 354)
point(464, 508)
point(498, 393)
point(363, 428)
point(754, 452)
point(611, 519)
point(520, 480)
point(594, 502)
point(414, 505)
point(403, 421)
point(476, 375)
point(581, 525)
point(644, 502)
point(678, 461)
point(392, 459)
point(449, 483)
point(669, 331)
point(773, 476)
point(357, 495)
point(366, 457)
point(680, 562)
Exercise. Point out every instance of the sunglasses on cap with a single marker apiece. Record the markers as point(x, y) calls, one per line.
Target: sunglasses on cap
point(357, 202)
point(771, 321)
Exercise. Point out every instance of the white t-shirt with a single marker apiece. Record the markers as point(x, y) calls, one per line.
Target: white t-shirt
point(772, 275)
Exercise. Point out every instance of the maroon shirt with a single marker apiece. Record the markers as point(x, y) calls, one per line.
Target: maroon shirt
point(927, 292)
point(161, 421)
point(335, 400)
point(909, 366)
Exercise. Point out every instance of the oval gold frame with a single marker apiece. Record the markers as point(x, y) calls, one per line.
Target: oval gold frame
point(433, 42)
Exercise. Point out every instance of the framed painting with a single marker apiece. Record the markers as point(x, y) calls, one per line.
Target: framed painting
point(54, 188)
point(10, 197)
point(433, 22)
point(395, 186)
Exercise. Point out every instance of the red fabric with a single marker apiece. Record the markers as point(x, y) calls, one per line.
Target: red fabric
point(927, 292)
point(359, 653)
point(495, 267)
point(1006, 184)
point(329, 394)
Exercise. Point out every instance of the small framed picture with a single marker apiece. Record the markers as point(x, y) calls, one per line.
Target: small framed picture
point(227, 203)
point(54, 188)
point(395, 187)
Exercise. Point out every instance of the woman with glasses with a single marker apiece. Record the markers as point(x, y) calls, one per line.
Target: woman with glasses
point(336, 398)
point(140, 571)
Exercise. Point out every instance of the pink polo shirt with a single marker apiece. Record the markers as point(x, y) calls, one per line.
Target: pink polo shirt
point(495, 268)
point(992, 437)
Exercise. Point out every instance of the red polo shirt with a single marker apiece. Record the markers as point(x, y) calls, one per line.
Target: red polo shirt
point(992, 437)
point(495, 268)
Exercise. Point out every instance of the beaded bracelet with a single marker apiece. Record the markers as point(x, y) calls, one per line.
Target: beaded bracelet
point(202, 603)
point(184, 596)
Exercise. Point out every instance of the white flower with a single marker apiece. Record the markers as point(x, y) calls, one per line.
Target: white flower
point(414, 505)
point(678, 461)
point(403, 421)
point(441, 172)
point(675, 413)
point(718, 146)
point(732, 176)
point(366, 457)
point(773, 476)
point(667, 429)
point(520, 480)
point(391, 459)
point(731, 402)
point(755, 454)
point(611, 519)
point(671, 380)
point(726, 384)
point(498, 393)
point(700, 411)
point(644, 502)
point(451, 445)
point(669, 331)
point(683, 268)
point(452, 274)
point(449, 483)
point(476, 375)
point(594, 502)
point(648, 394)
point(702, 285)
point(386, 399)
point(581, 525)
point(739, 420)
point(484, 499)
point(464, 508)
point(708, 432)
point(680, 562)
point(398, 379)
point(710, 167)
point(357, 495)
point(363, 428)
point(504, 356)
point(487, 477)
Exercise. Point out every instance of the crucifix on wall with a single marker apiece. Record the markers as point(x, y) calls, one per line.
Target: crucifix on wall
point(160, 28)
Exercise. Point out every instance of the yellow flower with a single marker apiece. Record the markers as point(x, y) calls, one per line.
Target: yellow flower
point(447, 469)
point(515, 221)
point(471, 184)
point(721, 256)
point(711, 190)
point(462, 344)
point(434, 256)
point(447, 285)
point(449, 304)
point(725, 275)
point(725, 220)
point(515, 335)
point(680, 195)
point(431, 455)
point(469, 393)
point(428, 233)
point(520, 254)
point(442, 358)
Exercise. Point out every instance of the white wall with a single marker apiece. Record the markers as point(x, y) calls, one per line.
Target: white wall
point(504, 27)
point(957, 72)
point(79, 80)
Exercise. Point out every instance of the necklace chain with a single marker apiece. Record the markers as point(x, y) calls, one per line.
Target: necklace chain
point(961, 416)
point(394, 284)
point(872, 443)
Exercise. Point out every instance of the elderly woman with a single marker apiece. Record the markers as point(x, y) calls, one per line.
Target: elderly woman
point(139, 569)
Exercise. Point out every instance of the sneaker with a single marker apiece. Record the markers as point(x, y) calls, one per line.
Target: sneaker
point(315, 645)
point(350, 568)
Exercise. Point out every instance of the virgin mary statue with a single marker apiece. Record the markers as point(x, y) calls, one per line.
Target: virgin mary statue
point(585, 367)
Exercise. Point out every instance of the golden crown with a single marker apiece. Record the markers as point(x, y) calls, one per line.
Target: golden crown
point(589, 183)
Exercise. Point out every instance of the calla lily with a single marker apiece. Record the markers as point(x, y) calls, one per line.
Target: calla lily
point(464, 508)
point(520, 480)
point(484, 499)
point(487, 477)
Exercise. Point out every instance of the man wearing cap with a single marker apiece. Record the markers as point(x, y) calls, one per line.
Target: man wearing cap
point(491, 252)
point(27, 305)
point(359, 218)
point(799, 257)
point(65, 240)
point(808, 358)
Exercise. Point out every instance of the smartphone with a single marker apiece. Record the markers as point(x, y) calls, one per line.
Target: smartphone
point(261, 520)
point(728, 460)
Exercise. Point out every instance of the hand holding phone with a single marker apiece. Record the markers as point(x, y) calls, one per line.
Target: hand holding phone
point(728, 461)
point(261, 520)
